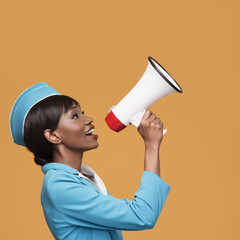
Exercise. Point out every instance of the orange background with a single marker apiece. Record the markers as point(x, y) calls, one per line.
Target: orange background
point(95, 52)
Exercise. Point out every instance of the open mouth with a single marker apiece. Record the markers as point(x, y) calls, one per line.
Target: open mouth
point(90, 132)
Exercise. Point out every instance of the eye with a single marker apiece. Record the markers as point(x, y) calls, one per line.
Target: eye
point(82, 112)
point(75, 115)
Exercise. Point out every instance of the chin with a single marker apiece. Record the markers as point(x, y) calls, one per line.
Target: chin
point(94, 147)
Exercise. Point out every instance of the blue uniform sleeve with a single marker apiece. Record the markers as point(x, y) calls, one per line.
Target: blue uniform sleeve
point(81, 205)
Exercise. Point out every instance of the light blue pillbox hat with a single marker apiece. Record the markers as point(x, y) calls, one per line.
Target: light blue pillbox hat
point(25, 101)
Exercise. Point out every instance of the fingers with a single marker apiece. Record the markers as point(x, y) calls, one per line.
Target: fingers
point(149, 116)
point(157, 124)
point(157, 120)
point(146, 115)
point(151, 119)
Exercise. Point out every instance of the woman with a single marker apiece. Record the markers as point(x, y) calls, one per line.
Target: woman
point(75, 201)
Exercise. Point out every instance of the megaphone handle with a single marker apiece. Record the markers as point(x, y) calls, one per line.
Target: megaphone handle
point(136, 119)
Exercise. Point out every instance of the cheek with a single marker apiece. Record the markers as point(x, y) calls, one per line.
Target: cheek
point(73, 132)
point(77, 130)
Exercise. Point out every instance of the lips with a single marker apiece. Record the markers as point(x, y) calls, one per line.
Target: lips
point(90, 130)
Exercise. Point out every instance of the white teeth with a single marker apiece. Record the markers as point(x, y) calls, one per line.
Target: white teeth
point(90, 131)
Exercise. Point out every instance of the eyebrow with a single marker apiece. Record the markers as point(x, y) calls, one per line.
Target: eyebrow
point(73, 107)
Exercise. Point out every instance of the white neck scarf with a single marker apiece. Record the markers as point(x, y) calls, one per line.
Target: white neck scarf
point(97, 181)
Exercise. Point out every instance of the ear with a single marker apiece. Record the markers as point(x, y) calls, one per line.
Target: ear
point(52, 137)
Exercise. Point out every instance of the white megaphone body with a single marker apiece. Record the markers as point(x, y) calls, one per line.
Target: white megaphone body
point(154, 84)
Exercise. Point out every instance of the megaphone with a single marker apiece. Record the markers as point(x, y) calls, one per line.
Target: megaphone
point(154, 84)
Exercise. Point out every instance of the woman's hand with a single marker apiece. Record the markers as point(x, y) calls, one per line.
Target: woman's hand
point(151, 129)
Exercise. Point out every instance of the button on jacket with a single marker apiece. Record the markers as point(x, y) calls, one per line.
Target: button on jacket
point(76, 208)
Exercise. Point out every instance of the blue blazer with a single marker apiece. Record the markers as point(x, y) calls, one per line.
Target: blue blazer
point(75, 209)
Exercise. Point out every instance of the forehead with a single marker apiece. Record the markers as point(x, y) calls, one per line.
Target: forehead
point(73, 107)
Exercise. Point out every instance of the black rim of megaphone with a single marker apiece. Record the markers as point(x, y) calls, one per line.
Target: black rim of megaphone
point(153, 64)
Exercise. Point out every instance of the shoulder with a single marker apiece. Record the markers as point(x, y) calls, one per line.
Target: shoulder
point(58, 175)
point(57, 181)
point(65, 190)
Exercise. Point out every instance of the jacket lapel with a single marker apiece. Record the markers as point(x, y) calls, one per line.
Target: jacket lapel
point(86, 182)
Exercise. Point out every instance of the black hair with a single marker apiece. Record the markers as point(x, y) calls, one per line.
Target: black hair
point(44, 115)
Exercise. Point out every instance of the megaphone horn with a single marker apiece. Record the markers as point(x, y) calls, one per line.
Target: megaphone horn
point(154, 84)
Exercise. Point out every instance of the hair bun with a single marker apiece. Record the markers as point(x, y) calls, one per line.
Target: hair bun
point(40, 160)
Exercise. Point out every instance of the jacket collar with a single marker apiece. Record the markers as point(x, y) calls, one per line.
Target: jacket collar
point(59, 166)
point(84, 168)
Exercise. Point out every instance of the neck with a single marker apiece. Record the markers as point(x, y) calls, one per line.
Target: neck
point(68, 157)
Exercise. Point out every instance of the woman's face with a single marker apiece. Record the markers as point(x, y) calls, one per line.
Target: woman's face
point(72, 129)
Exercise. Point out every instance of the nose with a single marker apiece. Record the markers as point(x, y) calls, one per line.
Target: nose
point(88, 120)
